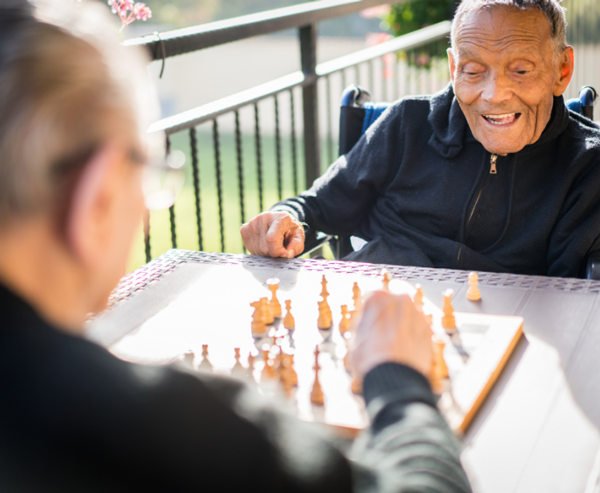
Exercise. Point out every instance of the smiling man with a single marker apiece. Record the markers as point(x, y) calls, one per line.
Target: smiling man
point(492, 174)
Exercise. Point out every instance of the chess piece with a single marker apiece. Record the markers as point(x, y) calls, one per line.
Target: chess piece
point(345, 321)
point(438, 355)
point(238, 369)
point(287, 374)
point(325, 317)
point(269, 372)
point(473, 293)
point(448, 320)
point(274, 303)
point(385, 280)
point(324, 292)
point(267, 313)
point(356, 385)
point(288, 321)
point(316, 394)
point(356, 298)
point(205, 365)
point(258, 325)
point(439, 370)
point(188, 359)
point(418, 298)
point(250, 369)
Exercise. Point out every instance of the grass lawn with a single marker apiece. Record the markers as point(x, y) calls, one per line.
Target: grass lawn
point(185, 213)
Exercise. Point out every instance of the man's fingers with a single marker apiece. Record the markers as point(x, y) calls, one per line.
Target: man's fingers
point(295, 243)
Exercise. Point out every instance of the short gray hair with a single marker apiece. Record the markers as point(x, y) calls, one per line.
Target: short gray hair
point(67, 87)
point(550, 8)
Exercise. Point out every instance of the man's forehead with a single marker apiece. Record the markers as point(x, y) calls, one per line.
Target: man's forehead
point(502, 28)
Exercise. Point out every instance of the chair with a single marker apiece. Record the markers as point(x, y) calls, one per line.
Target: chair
point(358, 113)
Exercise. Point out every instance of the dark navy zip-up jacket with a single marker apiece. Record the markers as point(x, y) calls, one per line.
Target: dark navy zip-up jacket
point(418, 188)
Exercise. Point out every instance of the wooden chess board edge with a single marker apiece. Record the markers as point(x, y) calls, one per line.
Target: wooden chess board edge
point(470, 414)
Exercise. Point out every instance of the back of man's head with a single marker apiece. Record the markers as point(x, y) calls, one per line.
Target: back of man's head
point(66, 87)
point(554, 13)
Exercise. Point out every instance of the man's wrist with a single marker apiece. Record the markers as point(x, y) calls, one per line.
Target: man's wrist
point(396, 382)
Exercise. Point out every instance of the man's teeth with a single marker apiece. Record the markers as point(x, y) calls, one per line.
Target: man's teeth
point(501, 119)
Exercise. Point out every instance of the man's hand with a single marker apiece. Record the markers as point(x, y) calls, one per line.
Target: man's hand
point(391, 329)
point(274, 234)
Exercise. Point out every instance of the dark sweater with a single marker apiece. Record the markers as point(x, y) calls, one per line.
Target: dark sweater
point(418, 188)
point(75, 418)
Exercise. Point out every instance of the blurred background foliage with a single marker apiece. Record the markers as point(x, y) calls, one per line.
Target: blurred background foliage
point(408, 17)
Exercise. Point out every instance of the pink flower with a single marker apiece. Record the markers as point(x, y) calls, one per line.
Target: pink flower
point(123, 7)
point(142, 12)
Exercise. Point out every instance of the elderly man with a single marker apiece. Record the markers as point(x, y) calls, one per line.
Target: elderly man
point(74, 417)
point(492, 174)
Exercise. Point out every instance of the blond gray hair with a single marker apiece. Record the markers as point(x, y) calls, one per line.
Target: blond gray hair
point(552, 10)
point(67, 86)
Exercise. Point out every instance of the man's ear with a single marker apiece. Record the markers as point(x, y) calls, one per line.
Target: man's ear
point(451, 63)
point(88, 220)
point(566, 66)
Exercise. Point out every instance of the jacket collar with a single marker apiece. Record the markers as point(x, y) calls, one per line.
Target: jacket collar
point(451, 130)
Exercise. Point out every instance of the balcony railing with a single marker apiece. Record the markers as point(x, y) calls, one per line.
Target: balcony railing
point(236, 175)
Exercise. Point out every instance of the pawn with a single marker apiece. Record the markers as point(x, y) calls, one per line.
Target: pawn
point(274, 303)
point(345, 321)
point(473, 293)
point(438, 356)
point(385, 280)
point(418, 298)
point(316, 394)
point(258, 325)
point(269, 372)
point(206, 364)
point(448, 320)
point(188, 359)
point(250, 369)
point(288, 321)
point(267, 313)
point(238, 369)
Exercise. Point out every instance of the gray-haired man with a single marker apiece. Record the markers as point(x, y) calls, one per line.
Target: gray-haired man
point(76, 418)
point(491, 174)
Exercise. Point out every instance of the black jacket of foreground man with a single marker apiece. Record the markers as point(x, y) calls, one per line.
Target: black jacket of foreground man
point(75, 418)
point(418, 187)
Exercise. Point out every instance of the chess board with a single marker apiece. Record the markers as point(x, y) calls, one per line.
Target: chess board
point(215, 310)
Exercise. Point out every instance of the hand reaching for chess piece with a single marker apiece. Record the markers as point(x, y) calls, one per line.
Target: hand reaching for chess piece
point(391, 329)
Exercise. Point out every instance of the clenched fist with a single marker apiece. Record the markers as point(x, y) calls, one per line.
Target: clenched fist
point(391, 330)
point(274, 234)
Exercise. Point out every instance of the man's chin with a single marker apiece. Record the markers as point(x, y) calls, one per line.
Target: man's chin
point(502, 148)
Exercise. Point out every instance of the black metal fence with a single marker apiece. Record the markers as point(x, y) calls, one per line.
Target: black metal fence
point(247, 172)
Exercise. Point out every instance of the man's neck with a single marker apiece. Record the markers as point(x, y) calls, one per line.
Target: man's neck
point(35, 266)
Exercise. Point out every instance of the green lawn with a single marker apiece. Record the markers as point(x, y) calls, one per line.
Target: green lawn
point(187, 233)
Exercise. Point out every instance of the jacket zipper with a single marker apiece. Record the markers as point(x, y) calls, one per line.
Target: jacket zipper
point(493, 171)
point(493, 160)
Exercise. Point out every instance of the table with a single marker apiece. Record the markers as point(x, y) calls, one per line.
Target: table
point(538, 430)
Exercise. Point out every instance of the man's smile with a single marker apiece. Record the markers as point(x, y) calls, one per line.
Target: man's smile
point(502, 120)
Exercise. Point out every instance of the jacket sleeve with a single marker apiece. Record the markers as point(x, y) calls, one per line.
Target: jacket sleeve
point(408, 447)
point(339, 200)
point(577, 232)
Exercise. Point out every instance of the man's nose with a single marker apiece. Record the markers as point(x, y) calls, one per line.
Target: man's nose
point(497, 89)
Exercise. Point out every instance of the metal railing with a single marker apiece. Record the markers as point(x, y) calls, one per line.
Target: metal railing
point(406, 65)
